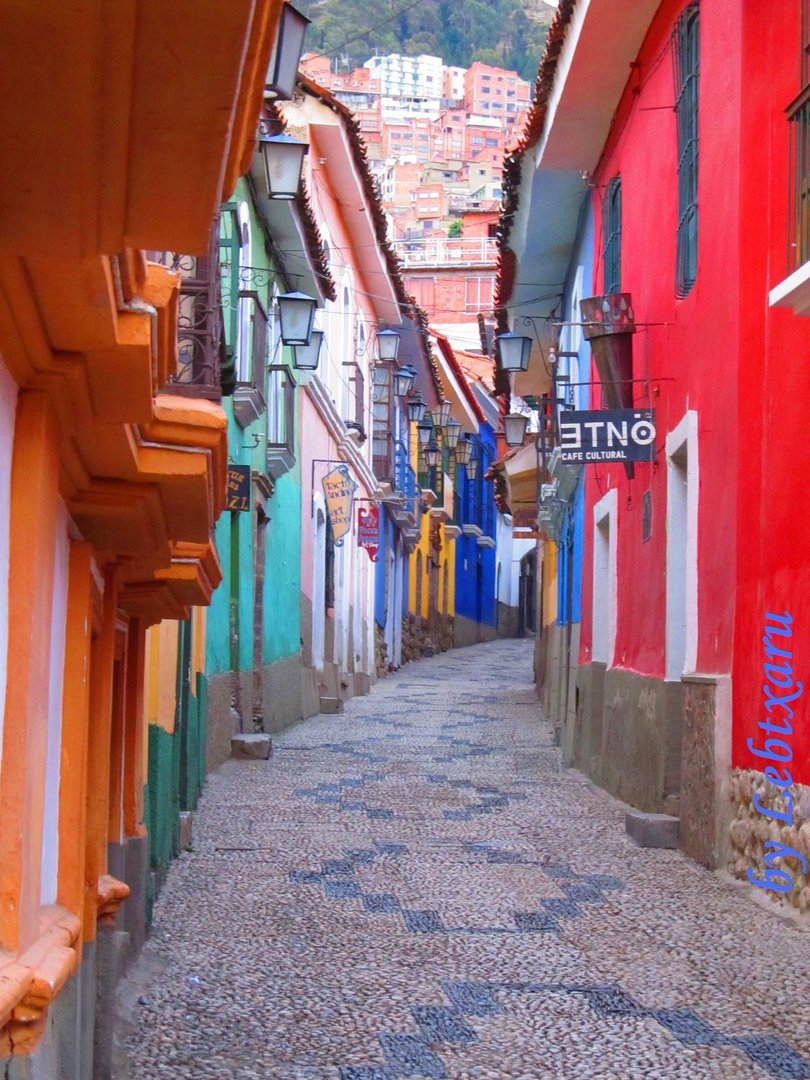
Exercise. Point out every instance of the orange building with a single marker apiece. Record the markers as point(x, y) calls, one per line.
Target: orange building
point(112, 462)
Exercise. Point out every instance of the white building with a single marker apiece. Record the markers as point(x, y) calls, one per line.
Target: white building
point(409, 84)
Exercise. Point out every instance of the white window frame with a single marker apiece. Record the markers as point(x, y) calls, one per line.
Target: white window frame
point(682, 551)
point(604, 607)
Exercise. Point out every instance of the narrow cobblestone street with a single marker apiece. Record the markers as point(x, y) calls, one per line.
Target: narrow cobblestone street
point(413, 889)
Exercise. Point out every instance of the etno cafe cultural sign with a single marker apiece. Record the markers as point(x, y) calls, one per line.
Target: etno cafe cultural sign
point(586, 438)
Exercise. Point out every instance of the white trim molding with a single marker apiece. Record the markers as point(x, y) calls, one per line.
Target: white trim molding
point(682, 547)
point(605, 607)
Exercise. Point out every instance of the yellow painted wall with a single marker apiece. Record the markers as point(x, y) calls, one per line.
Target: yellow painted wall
point(549, 583)
point(160, 697)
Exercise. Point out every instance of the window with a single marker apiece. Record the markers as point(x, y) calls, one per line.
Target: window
point(381, 411)
point(799, 120)
point(686, 50)
point(612, 235)
point(478, 294)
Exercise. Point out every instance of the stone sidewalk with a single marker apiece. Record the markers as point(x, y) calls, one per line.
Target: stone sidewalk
point(412, 889)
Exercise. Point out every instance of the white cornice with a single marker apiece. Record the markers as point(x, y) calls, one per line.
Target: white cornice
point(347, 448)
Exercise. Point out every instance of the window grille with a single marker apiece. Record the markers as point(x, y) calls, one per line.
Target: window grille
point(798, 115)
point(686, 50)
point(612, 232)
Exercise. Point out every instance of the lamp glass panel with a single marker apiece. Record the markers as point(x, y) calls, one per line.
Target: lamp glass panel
point(297, 314)
point(307, 357)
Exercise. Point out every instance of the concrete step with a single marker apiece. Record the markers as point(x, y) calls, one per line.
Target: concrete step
point(331, 705)
point(251, 747)
point(652, 830)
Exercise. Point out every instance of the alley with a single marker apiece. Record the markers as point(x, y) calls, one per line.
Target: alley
point(412, 889)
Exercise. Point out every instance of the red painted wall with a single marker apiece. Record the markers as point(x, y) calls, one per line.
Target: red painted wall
point(691, 359)
point(774, 395)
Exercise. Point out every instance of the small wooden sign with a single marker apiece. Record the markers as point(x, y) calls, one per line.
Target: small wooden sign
point(239, 487)
point(338, 493)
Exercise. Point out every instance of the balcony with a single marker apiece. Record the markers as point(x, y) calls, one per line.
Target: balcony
point(199, 322)
point(441, 253)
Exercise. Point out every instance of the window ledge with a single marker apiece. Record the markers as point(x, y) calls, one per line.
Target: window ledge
point(794, 291)
point(472, 530)
point(248, 404)
point(280, 459)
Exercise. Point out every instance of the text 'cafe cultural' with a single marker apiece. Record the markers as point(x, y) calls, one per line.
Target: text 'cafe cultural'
point(607, 435)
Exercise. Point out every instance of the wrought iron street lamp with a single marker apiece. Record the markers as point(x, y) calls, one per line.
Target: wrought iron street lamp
point(296, 312)
point(404, 379)
point(464, 450)
point(514, 351)
point(514, 427)
point(283, 158)
point(417, 409)
point(432, 455)
point(472, 467)
point(441, 414)
point(452, 433)
point(424, 431)
point(307, 357)
point(388, 346)
point(286, 57)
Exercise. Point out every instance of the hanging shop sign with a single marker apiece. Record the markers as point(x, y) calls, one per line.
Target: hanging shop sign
point(239, 487)
point(587, 438)
point(338, 491)
point(368, 530)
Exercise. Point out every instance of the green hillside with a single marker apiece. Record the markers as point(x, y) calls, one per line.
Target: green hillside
point(507, 33)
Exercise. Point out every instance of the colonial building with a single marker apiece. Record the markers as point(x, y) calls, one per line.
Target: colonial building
point(689, 582)
point(112, 469)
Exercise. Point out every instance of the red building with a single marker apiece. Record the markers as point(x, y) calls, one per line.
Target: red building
point(694, 643)
point(491, 91)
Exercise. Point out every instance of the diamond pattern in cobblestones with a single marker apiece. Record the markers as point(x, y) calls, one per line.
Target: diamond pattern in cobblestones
point(415, 889)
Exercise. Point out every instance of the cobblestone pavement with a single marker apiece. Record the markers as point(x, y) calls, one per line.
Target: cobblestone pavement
point(412, 889)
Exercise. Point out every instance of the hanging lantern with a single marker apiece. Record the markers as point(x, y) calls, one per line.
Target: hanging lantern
point(424, 430)
point(404, 379)
point(441, 414)
point(464, 450)
point(307, 357)
point(513, 351)
point(432, 455)
point(452, 433)
point(472, 468)
point(296, 311)
point(283, 158)
point(286, 56)
point(514, 427)
point(388, 346)
point(417, 409)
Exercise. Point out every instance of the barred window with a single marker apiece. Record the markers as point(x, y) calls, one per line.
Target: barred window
point(612, 236)
point(686, 50)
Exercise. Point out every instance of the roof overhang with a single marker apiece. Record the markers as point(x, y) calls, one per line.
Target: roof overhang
point(330, 142)
point(602, 40)
point(288, 231)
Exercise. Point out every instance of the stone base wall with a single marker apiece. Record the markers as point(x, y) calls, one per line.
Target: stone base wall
point(508, 621)
point(662, 747)
point(282, 703)
point(469, 632)
point(223, 720)
point(749, 829)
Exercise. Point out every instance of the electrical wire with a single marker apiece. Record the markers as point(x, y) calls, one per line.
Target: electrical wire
point(369, 30)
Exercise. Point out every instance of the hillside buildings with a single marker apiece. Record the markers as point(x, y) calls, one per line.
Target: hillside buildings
point(436, 138)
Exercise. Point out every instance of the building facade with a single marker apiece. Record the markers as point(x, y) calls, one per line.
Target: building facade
point(112, 472)
point(691, 604)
